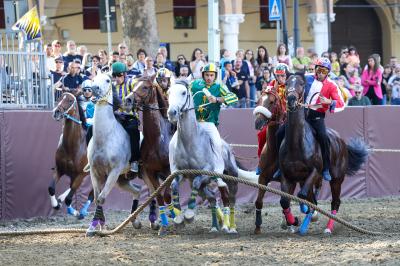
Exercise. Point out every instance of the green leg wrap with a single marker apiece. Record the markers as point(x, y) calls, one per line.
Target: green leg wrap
point(214, 217)
point(192, 201)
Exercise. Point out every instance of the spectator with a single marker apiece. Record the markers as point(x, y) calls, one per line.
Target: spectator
point(311, 68)
point(325, 55)
point(58, 72)
point(251, 64)
point(341, 83)
point(159, 61)
point(371, 80)
point(122, 59)
point(82, 50)
point(70, 55)
point(344, 52)
point(149, 69)
point(310, 52)
point(167, 64)
point(393, 62)
point(263, 60)
point(197, 63)
point(3, 75)
point(224, 56)
point(229, 77)
point(86, 62)
point(263, 81)
point(181, 61)
point(353, 58)
point(335, 64)
point(394, 85)
point(244, 90)
point(49, 59)
point(56, 45)
point(94, 69)
point(359, 99)
point(103, 58)
point(114, 57)
point(387, 74)
point(300, 61)
point(184, 73)
point(140, 63)
point(122, 49)
point(282, 56)
point(73, 80)
point(132, 71)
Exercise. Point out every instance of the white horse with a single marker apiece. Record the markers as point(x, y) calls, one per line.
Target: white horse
point(108, 152)
point(192, 148)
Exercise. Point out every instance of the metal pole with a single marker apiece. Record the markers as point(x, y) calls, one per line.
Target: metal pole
point(328, 14)
point(213, 31)
point(284, 25)
point(296, 31)
point(278, 32)
point(108, 16)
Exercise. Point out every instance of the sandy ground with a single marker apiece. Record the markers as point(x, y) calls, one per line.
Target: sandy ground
point(195, 245)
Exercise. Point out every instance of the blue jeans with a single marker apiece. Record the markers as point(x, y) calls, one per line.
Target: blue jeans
point(241, 103)
point(395, 101)
point(253, 95)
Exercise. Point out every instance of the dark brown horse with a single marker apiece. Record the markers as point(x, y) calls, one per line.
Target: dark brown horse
point(301, 161)
point(70, 157)
point(269, 112)
point(157, 133)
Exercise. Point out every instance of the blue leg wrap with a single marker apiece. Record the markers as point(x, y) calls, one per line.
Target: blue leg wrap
point(163, 216)
point(84, 211)
point(304, 226)
point(71, 210)
point(304, 208)
point(192, 200)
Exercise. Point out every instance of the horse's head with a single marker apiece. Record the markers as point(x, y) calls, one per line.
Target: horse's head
point(269, 109)
point(102, 86)
point(178, 99)
point(294, 92)
point(66, 105)
point(143, 93)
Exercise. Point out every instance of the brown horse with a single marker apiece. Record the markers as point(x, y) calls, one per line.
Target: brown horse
point(301, 161)
point(157, 133)
point(269, 112)
point(70, 157)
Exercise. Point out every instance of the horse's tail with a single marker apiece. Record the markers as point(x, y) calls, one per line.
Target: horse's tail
point(357, 155)
point(245, 174)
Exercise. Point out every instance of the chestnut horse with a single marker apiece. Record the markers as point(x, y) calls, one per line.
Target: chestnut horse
point(301, 161)
point(269, 112)
point(70, 157)
point(154, 150)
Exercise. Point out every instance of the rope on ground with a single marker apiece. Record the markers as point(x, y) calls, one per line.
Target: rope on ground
point(370, 149)
point(133, 216)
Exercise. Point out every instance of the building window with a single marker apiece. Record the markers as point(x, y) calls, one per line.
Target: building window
point(264, 16)
point(2, 16)
point(184, 14)
point(91, 18)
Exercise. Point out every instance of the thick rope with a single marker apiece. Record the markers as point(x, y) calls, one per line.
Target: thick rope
point(195, 173)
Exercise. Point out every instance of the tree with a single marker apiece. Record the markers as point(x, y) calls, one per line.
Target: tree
point(139, 25)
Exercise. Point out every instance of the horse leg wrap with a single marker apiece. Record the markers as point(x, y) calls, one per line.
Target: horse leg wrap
point(304, 208)
point(84, 210)
point(304, 226)
point(192, 200)
point(220, 215)
point(232, 218)
point(72, 211)
point(226, 212)
point(259, 217)
point(163, 216)
point(152, 212)
point(214, 217)
point(99, 215)
point(289, 216)
point(331, 222)
point(173, 211)
point(175, 199)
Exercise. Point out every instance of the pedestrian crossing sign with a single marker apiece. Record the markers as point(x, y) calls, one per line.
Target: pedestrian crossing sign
point(275, 10)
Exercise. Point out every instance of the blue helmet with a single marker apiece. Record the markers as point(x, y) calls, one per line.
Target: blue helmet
point(323, 62)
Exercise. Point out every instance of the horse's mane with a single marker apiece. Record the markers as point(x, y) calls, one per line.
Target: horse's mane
point(162, 103)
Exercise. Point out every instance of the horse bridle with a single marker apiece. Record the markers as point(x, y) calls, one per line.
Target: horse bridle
point(104, 98)
point(275, 110)
point(149, 106)
point(66, 113)
point(299, 100)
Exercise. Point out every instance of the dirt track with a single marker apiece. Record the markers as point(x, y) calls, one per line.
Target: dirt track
point(194, 245)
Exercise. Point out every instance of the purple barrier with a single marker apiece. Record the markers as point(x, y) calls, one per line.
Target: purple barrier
point(28, 140)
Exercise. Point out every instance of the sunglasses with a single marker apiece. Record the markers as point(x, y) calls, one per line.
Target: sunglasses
point(311, 69)
point(118, 75)
point(57, 45)
point(181, 58)
point(59, 62)
point(87, 90)
point(321, 70)
point(358, 92)
point(280, 76)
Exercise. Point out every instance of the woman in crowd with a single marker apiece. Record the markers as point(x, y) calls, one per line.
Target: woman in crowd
point(282, 56)
point(197, 63)
point(371, 80)
point(180, 61)
point(252, 65)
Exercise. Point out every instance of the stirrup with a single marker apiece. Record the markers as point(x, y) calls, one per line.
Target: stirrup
point(277, 174)
point(326, 175)
point(134, 167)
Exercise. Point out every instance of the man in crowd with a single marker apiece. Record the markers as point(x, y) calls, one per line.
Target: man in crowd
point(358, 99)
point(300, 61)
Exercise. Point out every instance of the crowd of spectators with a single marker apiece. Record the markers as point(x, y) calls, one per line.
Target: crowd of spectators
point(246, 72)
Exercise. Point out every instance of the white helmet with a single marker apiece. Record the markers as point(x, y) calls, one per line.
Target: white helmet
point(87, 84)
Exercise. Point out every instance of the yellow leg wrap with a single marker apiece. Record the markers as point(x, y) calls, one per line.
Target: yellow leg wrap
point(226, 217)
point(220, 215)
point(232, 218)
point(174, 210)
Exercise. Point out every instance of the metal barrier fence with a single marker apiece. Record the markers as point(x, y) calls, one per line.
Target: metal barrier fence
point(24, 82)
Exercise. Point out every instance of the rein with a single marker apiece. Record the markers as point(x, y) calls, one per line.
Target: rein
point(66, 113)
point(104, 99)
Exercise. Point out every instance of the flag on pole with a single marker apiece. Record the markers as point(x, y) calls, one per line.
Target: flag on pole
point(30, 24)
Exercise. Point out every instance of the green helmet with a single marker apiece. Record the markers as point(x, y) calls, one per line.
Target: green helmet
point(118, 67)
point(209, 68)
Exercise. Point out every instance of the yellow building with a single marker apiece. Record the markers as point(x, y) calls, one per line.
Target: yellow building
point(372, 26)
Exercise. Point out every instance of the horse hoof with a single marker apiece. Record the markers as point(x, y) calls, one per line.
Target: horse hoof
point(189, 215)
point(136, 224)
point(90, 233)
point(178, 220)
point(152, 217)
point(257, 231)
point(304, 208)
point(284, 224)
point(233, 231)
point(225, 229)
point(213, 230)
point(81, 216)
point(292, 229)
point(163, 231)
point(155, 226)
point(328, 232)
point(314, 217)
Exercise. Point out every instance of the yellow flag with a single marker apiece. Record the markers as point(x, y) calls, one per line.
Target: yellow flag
point(30, 24)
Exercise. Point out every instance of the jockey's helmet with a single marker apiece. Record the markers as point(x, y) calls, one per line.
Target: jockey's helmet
point(323, 62)
point(281, 69)
point(163, 73)
point(118, 68)
point(210, 67)
point(87, 84)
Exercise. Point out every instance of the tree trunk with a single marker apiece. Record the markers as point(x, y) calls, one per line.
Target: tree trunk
point(139, 25)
